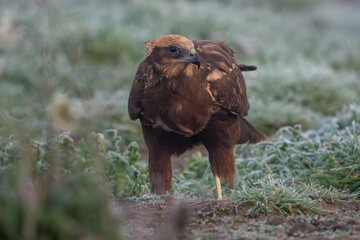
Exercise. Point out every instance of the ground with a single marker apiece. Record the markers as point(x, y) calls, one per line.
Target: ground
point(176, 218)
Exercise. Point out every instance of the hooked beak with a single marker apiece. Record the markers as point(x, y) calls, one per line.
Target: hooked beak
point(196, 60)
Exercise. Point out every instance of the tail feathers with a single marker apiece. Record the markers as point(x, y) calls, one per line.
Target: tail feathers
point(249, 134)
point(245, 68)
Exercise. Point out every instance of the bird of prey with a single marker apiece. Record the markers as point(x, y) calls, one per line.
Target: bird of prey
point(187, 93)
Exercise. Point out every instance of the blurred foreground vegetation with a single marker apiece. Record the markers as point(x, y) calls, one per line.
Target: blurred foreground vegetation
point(67, 149)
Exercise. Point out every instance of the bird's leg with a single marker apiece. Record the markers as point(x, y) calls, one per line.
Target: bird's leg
point(159, 158)
point(224, 168)
point(218, 187)
point(160, 171)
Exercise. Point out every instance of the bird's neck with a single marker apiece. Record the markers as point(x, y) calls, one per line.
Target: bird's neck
point(175, 70)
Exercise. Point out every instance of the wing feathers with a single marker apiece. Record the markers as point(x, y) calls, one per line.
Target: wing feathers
point(245, 68)
point(136, 94)
point(224, 76)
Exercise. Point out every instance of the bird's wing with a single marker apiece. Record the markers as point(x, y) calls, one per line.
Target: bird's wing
point(225, 83)
point(137, 92)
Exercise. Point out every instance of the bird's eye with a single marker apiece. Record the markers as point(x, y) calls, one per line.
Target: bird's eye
point(172, 49)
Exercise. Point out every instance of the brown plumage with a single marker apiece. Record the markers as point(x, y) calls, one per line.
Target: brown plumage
point(187, 93)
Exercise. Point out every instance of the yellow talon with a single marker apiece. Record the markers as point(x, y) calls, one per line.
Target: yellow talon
point(218, 187)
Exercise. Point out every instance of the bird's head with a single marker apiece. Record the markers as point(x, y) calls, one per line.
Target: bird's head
point(173, 54)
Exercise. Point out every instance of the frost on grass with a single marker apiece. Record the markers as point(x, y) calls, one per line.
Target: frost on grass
point(328, 156)
point(287, 174)
point(292, 171)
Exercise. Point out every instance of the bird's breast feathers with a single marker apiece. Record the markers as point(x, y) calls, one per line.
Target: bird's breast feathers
point(178, 115)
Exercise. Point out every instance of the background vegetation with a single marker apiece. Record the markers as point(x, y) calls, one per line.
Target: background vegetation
point(66, 142)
